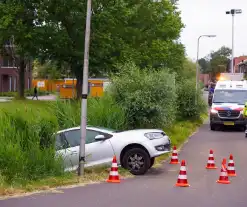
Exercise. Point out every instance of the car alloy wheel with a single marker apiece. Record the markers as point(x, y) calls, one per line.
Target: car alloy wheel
point(137, 161)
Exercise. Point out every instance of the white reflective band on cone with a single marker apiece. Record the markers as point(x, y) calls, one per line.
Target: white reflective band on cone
point(211, 161)
point(183, 168)
point(223, 174)
point(211, 155)
point(231, 161)
point(230, 168)
point(114, 165)
point(114, 173)
point(182, 177)
point(174, 157)
point(175, 151)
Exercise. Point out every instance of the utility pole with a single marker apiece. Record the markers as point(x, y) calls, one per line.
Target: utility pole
point(85, 90)
point(233, 12)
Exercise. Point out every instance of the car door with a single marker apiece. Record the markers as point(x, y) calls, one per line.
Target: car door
point(73, 139)
point(66, 152)
point(98, 152)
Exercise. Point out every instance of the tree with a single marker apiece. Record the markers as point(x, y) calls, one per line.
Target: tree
point(204, 65)
point(18, 21)
point(220, 59)
point(49, 70)
point(216, 61)
point(142, 31)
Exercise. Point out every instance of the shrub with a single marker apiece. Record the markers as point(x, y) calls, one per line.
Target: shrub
point(27, 149)
point(190, 102)
point(147, 96)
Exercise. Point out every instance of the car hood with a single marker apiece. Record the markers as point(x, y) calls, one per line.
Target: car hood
point(228, 106)
point(139, 131)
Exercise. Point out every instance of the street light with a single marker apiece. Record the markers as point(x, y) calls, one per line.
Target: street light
point(233, 12)
point(197, 64)
point(85, 90)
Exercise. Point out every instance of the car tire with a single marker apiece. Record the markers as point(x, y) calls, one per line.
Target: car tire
point(141, 161)
point(152, 160)
point(245, 135)
point(212, 127)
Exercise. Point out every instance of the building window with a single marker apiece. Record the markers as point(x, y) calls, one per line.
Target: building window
point(8, 62)
point(15, 84)
point(10, 83)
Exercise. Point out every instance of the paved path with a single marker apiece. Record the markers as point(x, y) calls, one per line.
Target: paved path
point(156, 189)
point(41, 98)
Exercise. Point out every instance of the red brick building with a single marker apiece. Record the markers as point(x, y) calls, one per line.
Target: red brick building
point(237, 61)
point(9, 75)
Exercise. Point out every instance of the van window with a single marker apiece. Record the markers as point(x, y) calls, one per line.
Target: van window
point(230, 96)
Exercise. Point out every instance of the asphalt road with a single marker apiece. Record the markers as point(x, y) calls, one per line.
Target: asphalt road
point(157, 187)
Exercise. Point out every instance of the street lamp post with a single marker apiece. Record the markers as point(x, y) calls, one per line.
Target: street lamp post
point(85, 90)
point(233, 12)
point(197, 58)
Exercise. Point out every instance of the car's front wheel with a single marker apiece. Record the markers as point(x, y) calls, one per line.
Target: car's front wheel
point(152, 160)
point(137, 161)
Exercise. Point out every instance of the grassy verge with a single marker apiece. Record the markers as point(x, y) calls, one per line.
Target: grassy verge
point(179, 133)
point(93, 175)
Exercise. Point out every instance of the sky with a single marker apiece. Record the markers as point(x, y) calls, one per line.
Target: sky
point(209, 17)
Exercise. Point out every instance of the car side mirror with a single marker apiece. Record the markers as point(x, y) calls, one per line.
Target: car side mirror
point(100, 137)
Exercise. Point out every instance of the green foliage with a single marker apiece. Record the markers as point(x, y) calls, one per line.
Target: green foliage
point(190, 102)
point(216, 61)
point(24, 152)
point(148, 97)
point(26, 133)
point(47, 70)
point(187, 71)
point(102, 112)
point(142, 31)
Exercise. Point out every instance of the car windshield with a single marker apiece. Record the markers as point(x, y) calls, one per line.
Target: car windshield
point(230, 96)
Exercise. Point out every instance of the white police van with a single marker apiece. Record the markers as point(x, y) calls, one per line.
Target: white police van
point(228, 104)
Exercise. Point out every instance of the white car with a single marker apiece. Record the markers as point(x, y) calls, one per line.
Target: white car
point(135, 149)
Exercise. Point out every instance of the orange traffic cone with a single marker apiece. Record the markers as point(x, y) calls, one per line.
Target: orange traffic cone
point(211, 163)
point(231, 167)
point(174, 159)
point(113, 176)
point(182, 177)
point(223, 179)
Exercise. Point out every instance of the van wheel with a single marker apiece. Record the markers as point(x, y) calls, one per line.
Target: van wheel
point(212, 127)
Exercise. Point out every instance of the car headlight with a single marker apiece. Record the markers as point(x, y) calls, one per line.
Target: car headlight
point(213, 111)
point(154, 135)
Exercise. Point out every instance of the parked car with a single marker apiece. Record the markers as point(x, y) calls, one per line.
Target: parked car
point(135, 150)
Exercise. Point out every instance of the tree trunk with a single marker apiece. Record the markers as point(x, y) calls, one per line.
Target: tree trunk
point(21, 79)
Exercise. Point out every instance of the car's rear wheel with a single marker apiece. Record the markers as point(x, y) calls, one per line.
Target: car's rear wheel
point(137, 161)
